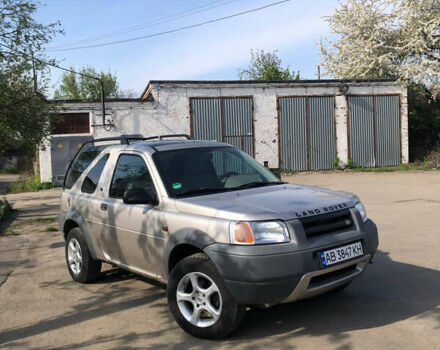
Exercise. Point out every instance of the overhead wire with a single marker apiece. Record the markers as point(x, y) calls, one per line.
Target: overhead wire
point(161, 20)
point(171, 30)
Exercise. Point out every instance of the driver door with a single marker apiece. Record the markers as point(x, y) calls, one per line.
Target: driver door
point(134, 236)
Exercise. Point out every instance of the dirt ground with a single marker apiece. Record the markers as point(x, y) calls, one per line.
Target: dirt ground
point(394, 305)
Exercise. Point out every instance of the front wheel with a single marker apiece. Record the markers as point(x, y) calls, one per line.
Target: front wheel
point(199, 300)
point(82, 267)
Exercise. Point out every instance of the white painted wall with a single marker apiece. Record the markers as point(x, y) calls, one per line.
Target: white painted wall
point(169, 112)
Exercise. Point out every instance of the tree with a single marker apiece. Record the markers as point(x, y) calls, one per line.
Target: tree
point(398, 39)
point(80, 87)
point(266, 66)
point(385, 39)
point(24, 113)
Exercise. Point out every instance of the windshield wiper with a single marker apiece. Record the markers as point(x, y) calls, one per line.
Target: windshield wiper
point(260, 184)
point(201, 191)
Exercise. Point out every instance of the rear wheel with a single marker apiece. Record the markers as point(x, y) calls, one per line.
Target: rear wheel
point(199, 300)
point(82, 267)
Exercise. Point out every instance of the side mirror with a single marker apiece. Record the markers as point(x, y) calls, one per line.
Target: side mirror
point(139, 196)
point(277, 173)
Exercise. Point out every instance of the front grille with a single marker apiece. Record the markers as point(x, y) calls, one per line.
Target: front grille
point(328, 223)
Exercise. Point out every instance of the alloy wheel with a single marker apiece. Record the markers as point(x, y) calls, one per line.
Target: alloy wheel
point(199, 299)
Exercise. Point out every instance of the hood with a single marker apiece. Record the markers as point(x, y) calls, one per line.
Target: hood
point(282, 202)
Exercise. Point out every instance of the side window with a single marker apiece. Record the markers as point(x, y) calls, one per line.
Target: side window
point(131, 173)
point(91, 180)
point(80, 164)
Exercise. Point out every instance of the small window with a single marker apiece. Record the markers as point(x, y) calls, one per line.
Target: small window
point(131, 173)
point(91, 180)
point(72, 123)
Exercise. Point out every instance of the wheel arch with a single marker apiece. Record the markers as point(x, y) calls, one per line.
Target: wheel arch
point(74, 219)
point(68, 225)
point(183, 244)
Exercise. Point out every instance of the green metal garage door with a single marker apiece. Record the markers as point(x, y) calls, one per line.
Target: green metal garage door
point(224, 119)
point(306, 133)
point(374, 130)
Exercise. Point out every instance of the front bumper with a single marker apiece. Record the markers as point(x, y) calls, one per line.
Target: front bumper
point(273, 274)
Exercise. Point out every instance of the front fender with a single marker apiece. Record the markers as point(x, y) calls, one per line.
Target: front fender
point(195, 238)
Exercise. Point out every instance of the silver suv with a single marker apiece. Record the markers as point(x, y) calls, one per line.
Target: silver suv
point(222, 231)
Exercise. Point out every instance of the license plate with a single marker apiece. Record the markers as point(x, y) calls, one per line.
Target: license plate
point(347, 252)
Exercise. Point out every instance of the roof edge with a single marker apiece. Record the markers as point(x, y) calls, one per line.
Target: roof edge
point(96, 100)
point(147, 90)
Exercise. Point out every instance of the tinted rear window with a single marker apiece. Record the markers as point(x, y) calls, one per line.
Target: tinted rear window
point(81, 162)
point(91, 180)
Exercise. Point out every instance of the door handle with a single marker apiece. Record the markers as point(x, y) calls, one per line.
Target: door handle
point(103, 206)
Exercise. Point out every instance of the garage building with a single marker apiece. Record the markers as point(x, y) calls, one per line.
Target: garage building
point(290, 125)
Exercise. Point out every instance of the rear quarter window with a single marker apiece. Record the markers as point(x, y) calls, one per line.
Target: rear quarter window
point(91, 180)
point(80, 163)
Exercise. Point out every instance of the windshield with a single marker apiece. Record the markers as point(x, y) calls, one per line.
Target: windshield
point(199, 171)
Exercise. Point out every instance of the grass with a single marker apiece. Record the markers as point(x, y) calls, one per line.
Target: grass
point(33, 184)
point(51, 229)
point(10, 171)
point(401, 167)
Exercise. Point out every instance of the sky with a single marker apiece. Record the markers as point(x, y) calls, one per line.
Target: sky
point(213, 51)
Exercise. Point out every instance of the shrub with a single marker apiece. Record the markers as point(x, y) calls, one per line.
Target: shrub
point(5, 209)
point(335, 163)
point(351, 165)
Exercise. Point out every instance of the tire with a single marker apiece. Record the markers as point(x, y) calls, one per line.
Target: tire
point(82, 267)
point(219, 313)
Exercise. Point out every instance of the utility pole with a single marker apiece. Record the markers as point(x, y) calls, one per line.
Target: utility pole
point(319, 71)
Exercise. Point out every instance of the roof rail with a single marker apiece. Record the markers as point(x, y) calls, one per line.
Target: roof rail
point(125, 140)
point(161, 137)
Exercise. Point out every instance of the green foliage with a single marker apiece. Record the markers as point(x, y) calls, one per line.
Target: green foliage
point(79, 87)
point(10, 171)
point(51, 229)
point(385, 39)
point(267, 66)
point(335, 163)
point(33, 184)
point(351, 165)
point(424, 122)
point(401, 167)
point(24, 113)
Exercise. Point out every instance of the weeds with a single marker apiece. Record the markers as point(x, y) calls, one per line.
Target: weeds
point(33, 184)
point(10, 171)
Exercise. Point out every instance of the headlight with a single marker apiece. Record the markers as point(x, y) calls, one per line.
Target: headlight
point(361, 209)
point(243, 232)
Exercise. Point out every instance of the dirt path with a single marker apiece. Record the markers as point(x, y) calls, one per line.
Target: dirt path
point(34, 205)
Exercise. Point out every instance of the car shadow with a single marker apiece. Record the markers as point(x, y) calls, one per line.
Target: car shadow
point(388, 292)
